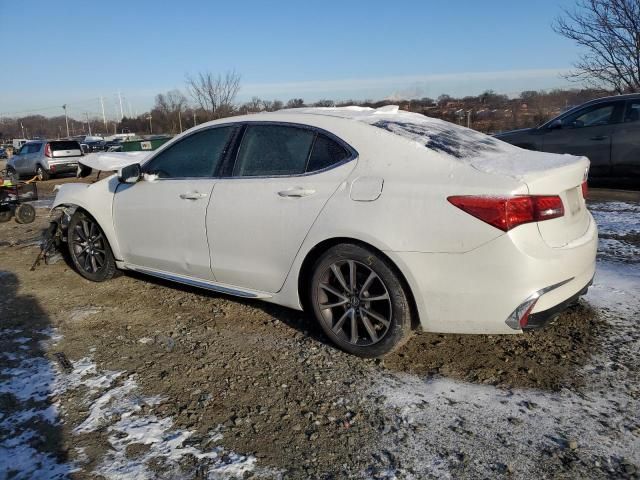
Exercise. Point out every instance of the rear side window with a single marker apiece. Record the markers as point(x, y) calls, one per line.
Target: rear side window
point(34, 147)
point(197, 155)
point(273, 150)
point(632, 114)
point(326, 152)
point(64, 145)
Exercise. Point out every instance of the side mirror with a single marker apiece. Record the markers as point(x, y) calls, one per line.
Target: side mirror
point(130, 173)
point(555, 125)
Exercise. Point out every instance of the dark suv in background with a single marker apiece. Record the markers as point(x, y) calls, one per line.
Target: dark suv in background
point(606, 130)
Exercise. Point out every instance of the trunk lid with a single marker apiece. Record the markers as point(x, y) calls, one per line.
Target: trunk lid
point(565, 181)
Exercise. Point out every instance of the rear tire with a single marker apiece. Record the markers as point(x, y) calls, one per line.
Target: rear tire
point(42, 174)
point(25, 213)
point(360, 301)
point(89, 248)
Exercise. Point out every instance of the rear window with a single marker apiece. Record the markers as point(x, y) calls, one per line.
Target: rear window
point(443, 137)
point(64, 145)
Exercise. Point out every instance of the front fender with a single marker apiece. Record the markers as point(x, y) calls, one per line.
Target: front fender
point(97, 200)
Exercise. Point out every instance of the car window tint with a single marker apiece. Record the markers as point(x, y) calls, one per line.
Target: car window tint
point(64, 145)
point(269, 150)
point(633, 111)
point(599, 115)
point(197, 155)
point(326, 152)
point(33, 148)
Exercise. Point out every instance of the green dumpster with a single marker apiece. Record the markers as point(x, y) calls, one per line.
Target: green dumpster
point(144, 145)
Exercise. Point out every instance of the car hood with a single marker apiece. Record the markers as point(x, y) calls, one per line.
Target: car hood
point(509, 133)
point(110, 161)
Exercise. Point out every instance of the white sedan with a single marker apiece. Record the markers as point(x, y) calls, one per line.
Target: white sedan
point(376, 221)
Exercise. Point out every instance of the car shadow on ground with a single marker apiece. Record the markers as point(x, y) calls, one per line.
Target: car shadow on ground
point(549, 359)
point(31, 440)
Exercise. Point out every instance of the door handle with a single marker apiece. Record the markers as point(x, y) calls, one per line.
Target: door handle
point(296, 192)
point(599, 137)
point(192, 195)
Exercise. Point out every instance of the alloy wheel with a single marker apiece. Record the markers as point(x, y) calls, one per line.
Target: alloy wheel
point(354, 303)
point(88, 245)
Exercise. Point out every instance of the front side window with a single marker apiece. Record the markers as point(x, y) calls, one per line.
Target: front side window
point(273, 150)
point(632, 114)
point(196, 156)
point(591, 117)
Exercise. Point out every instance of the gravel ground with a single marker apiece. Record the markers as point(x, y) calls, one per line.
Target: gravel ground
point(137, 378)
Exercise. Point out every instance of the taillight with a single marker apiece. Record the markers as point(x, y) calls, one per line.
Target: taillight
point(585, 187)
point(47, 150)
point(585, 190)
point(506, 213)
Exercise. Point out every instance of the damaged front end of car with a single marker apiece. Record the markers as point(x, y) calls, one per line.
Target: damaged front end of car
point(51, 250)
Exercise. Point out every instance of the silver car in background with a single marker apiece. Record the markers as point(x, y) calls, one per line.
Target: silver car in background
point(45, 158)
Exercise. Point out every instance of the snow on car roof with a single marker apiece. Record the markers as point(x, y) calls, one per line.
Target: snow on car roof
point(483, 152)
point(435, 134)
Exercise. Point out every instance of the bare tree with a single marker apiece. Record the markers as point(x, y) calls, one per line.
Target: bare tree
point(295, 103)
point(214, 93)
point(609, 32)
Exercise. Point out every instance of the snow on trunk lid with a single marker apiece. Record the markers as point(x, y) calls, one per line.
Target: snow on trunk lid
point(565, 181)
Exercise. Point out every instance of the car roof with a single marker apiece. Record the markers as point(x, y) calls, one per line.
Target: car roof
point(610, 98)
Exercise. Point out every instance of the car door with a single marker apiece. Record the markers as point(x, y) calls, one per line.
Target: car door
point(625, 149)
point(24, 160)
point(282, 177)
point(160, 221)
point(586, 132)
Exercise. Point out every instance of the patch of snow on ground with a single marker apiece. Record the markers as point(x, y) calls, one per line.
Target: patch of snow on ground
point(26, 388)
point(34, 385)
point(453, 429)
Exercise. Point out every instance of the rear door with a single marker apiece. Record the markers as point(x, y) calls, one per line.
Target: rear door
point(625, 149)
point(587, 132)
point(29, 161)
point(258, 218)
point(21, 161)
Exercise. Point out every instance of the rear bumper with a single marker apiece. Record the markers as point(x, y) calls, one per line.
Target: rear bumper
point(62, 166)
point(542, 319)
point(477, 291)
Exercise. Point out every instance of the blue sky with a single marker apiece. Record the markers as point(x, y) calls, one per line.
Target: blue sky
point(75, 51)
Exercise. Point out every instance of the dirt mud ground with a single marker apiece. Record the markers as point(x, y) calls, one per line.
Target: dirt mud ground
point(138, 378)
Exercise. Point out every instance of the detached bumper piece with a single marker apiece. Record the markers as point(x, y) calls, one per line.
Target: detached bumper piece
point(542, 319)
point(522, 318)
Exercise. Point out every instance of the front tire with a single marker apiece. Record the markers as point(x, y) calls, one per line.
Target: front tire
point(360, 301)
point(13, 175)
point(89, 248)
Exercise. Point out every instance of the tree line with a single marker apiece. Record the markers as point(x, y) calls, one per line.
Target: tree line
point(608, 32)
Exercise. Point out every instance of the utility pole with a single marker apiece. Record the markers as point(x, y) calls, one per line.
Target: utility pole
point(468, 118)
point(180, 119)
point(104, 117)
point(88, 122)
point(66, 118)
point(150, 126)
point(22, 127)
point(195, 121)
point(121, 111)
